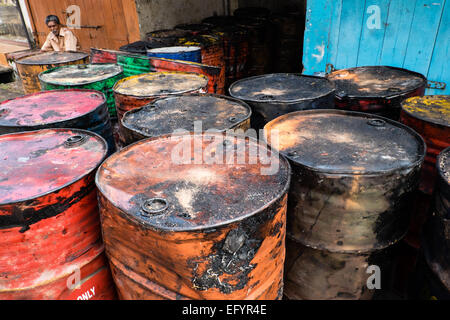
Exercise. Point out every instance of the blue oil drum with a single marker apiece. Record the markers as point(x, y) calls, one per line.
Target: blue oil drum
point(184, 53)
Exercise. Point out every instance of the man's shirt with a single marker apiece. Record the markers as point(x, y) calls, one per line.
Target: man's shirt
point(66, 41)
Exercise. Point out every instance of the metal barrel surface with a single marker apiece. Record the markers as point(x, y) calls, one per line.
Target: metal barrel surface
point(103, 56)
point(430, 117)
point(274, 95)
point(212, 55)
point(99, 77)
point(378, 90)
point(350, 190)
point(182, 53)
point(136, 91)
point(71, 108)
point(30, 67)
point(437, 229)
point(51, 245)
point(167, 37)
point(200, 112)
point(195, 231)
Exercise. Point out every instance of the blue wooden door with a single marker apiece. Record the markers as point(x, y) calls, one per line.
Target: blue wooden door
point(411, 34)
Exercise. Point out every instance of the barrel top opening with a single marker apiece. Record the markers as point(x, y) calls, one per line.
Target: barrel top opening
point(444, 165)
point(281, 88)
point(33, 164)
point(48, 107)
point(53, 58)
point(161, 83)
point(151, 185)
point(375, 82)
point(343, 142)
point(164, 116)
point(80, 74)
point(434, 109)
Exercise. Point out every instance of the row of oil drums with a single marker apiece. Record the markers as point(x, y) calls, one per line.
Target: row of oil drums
point(252, 42)
point(197, 204)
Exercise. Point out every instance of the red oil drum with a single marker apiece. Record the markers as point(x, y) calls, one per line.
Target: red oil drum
point(377, 90)
point(194, 112)
point(350, 189)
point(136, 91)
point(72, 108)
point(103, 56)
point(204, 230)
point(50, 239)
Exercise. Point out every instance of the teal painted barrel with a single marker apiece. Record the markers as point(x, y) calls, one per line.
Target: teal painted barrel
point(100, 77)
point(134, 65)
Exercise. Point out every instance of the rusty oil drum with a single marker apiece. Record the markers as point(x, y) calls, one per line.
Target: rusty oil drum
point(71, 108)
point(195, 231)
point(430, 117)
point(274, 95)
point(437, 230)
point(350, 189)
point(195, 112)
point(30, 67)
point(100, 77)
point(49, 221)
point(377, 90)
point(137, 91)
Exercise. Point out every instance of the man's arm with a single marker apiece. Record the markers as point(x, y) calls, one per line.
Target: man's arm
point(47, 45)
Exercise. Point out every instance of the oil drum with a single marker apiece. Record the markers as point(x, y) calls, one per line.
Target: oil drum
point(193, 113)
point(136, 91)
point(183, 53)
point(194, 229)
point(103, 56)
point(51, 244)
point(166, 37)
point(100, 77)
point(273, 95)
point(437, 229)
point(235, 45)
point(350, 189)
point(377, 90)
point(212, 55)
point(70, 108)
point(30, 67)
point(194, 28)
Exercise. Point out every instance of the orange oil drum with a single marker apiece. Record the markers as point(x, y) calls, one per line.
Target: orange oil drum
point(179, 224)
point(136, 91)
point(30, 67)
point(50, 239)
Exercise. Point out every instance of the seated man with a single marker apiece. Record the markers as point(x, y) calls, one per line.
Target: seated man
point(59, 39)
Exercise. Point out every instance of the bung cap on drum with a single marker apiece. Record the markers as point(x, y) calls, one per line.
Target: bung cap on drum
point(161, 83)
point(36, 163)
point(156, 184)
point(49, 107)
point(344, 142)
point(281, 88)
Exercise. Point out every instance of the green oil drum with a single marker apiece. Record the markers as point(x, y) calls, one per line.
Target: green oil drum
point(134, 65)
point(100, 77)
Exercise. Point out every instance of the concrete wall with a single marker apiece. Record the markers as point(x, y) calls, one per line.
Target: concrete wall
point(273, 5)
point(165, 14)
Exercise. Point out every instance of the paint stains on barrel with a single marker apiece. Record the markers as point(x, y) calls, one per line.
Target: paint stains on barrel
point(49, 221)
point(376, 89)
point(136, 91)
point(350, 189)
point(189, 112)
point(273, 95)
point(71, 108)
point(195, 231)
point(100, 77)
point(30, 67)
point(183, 53)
